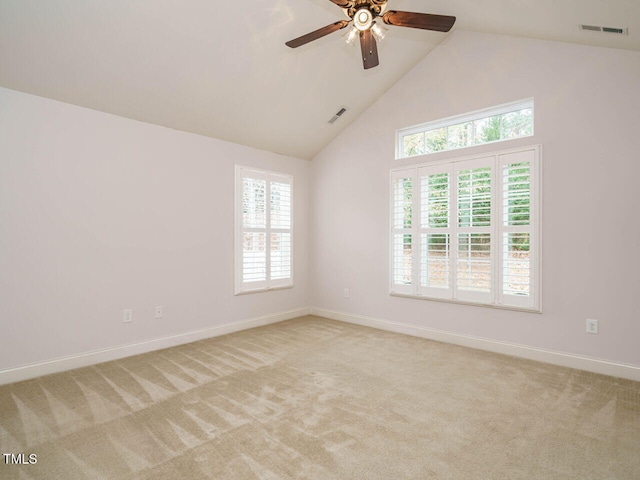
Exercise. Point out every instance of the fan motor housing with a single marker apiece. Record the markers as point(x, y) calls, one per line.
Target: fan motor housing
point(374, 6)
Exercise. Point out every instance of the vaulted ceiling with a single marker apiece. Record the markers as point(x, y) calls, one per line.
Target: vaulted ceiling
point(221, 69)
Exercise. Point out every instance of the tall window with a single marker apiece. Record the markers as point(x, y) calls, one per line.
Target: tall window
point(467, 230)
point(263, 230)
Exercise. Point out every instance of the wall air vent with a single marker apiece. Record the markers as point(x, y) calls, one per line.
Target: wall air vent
point(620, 31)
point(338, 114)
point(597, 28)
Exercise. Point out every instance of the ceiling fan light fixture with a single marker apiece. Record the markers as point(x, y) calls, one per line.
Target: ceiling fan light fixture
point(379, 31)
point(351, 36)
point(363, 19)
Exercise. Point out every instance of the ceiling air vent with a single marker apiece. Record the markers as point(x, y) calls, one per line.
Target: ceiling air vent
point(597, 28)
point(338, 114)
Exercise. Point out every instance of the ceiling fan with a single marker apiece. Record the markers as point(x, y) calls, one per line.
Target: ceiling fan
point(363, 14)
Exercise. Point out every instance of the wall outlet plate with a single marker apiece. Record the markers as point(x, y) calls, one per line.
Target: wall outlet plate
point(592, 326)
point(159, 312)
point(127, 315)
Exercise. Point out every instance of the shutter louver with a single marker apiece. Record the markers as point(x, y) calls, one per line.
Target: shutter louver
point(474, 262)
point(516, 276)
point(280, 205)
point(516, 188)
point(280, 255)
point(253, 203)
point(474, 197)
point(403, 259)
point(434, 264)
point(254, 257)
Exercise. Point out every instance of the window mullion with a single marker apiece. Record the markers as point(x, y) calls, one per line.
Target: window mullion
point(415, 232)
point(496, 224)
point(268, 228)
point(453, 241)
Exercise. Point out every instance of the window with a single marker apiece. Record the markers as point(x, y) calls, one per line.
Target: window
point(512, 120)
point(263, 230)
point(467, 230)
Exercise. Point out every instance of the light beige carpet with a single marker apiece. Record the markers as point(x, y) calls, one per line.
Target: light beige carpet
point(318, 399)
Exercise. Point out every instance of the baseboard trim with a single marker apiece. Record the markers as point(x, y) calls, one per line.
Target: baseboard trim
point(605, 367)
point(98, 356)
point(630, 372)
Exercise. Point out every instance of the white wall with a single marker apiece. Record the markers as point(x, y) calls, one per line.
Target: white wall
point(99, 213)
point(587, 102)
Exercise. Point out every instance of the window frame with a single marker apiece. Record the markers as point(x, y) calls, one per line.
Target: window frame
point(498, 299)
point(461, 119)
point(242, 287)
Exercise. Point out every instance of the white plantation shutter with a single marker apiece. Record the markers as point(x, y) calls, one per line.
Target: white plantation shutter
point(263, 230)
point(473, 241)
point(518, 256)
point(435, 231)
point(403, 259)
point(466, 230)
point(280, 231)
point(254, 225)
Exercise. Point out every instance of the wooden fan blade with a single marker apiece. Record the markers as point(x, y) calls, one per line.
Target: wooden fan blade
point(369, 49)
point(344, 3)
point(316, 34)
point(426, 21)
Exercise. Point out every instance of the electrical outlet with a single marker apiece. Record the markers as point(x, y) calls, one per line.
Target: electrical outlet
point(159, 312)
point(127, 315)
point(592, 326)
point(346, 293)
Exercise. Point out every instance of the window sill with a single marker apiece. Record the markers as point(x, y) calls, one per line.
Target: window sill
point(261, 290)
point(473, 304)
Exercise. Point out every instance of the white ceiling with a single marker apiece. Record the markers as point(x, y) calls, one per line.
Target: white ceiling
point(221, 69)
